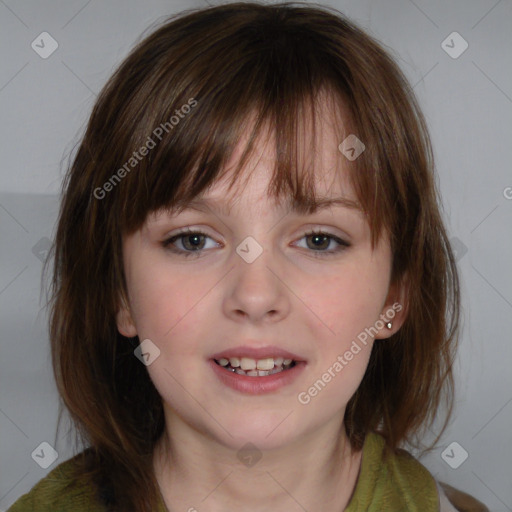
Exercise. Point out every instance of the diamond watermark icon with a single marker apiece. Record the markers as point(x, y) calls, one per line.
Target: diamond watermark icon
point(248, 249)
point(454, 455)
point(41, 249)
point(458, 247)
point(44, 45)
point(44, 455)
point(249, 455)
point(351, 147)
point(454, 45)
point(147, 352)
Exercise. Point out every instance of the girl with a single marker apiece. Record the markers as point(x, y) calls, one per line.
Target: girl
point(254, 302)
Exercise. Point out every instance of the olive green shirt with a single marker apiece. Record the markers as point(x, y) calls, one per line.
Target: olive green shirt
point(398, 483)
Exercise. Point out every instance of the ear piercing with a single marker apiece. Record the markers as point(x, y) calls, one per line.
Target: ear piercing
point(389, 325)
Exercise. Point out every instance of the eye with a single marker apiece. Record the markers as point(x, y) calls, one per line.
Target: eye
point(192, 242)
point(320, 241)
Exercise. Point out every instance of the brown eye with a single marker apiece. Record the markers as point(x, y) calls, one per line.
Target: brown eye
point(188, 243)
point(318, 242)
point(193, 242)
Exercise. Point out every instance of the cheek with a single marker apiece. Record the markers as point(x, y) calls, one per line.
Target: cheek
point(333, 385)
point(349, 304)
point(346, 303)
point(165, 304)
point(171, 311)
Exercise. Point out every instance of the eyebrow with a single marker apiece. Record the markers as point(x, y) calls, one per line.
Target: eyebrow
point(203, 204)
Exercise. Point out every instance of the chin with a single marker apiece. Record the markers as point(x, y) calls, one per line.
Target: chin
point(264, 429)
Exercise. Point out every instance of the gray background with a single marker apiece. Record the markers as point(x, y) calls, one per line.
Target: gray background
point(468, 105)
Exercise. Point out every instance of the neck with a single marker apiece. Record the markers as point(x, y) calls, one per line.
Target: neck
point(317, 471)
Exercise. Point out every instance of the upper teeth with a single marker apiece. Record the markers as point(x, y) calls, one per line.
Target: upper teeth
point(247, 363)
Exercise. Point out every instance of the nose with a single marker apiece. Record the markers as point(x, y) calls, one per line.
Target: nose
point(256, 292)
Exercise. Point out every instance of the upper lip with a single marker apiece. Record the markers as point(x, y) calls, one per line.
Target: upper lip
point(256, 353)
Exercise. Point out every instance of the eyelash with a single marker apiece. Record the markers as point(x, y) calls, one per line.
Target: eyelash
point(342, 245)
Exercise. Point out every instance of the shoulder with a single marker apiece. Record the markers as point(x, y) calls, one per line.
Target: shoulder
point(60, 491)
point(392, 481)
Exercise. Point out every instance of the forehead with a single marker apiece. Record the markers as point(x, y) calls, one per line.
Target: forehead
point(318, 156)
point(318, 176)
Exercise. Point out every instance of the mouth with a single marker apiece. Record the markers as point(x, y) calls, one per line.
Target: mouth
point(255, 371)
point(251, 367)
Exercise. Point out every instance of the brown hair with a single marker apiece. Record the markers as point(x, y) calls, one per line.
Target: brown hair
point(234, 61)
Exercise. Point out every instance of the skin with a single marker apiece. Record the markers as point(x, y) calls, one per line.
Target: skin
point(191, 308)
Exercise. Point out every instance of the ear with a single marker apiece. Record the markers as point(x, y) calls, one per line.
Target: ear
point(395, 308)
point(125, 324)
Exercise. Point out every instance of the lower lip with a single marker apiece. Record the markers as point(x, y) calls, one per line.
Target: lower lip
point(257, 385)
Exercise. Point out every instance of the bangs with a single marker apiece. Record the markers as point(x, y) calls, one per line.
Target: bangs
point(190, 103)
point(294, 140)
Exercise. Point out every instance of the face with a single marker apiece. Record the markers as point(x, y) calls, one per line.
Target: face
point(216, 297)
